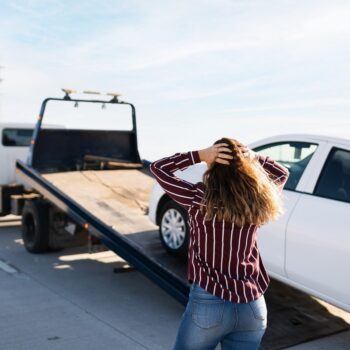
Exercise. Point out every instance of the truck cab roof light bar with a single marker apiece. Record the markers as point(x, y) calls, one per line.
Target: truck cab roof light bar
point(114, 95)
point(68, 92)
point(91, 92)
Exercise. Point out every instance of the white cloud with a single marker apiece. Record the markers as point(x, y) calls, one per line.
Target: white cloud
point(312, 103)
point(37, 8)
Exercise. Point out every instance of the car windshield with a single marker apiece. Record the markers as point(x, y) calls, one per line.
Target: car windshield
point(16, 137)
point(293, 155)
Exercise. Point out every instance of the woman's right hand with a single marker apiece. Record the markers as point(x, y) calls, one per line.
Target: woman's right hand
point(219, 153)
point(249, 153)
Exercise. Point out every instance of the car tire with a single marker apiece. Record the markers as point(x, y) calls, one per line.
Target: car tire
point(173, 229)
point(35, 226)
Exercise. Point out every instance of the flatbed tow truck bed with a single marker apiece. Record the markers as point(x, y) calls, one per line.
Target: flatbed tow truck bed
point(112, 206)
point(119, 199)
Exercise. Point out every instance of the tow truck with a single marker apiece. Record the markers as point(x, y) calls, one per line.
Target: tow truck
point(90, 186)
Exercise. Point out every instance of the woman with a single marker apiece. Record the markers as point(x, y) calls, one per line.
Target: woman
point(241, 190)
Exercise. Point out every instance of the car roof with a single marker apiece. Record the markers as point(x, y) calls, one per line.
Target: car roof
point(4, 125)
point(10, 125)
point(308, 136)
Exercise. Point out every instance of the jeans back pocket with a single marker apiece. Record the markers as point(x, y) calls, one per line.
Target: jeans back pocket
point(259, 308)
point(207, 313)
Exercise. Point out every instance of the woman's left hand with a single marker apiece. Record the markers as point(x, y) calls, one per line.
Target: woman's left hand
point(219, 153)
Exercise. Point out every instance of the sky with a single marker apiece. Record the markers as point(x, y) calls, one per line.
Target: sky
point(195, 70)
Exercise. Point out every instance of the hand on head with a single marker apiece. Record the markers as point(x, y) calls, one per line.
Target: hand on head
point(219, 153)
point(222, 153)
point(248, 153)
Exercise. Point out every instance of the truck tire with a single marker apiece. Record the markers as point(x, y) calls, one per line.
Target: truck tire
point(173, 229)
point(35, 226)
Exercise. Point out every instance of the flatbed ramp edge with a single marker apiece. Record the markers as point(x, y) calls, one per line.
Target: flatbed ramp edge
point(118, 242)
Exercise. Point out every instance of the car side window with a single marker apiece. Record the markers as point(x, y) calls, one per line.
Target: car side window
point(293, 155)
point(17, 137)
point(334, 180)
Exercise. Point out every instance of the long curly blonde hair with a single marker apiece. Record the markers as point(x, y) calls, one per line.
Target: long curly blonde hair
point(241, 192)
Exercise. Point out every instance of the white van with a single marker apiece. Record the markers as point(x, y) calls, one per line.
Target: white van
point(15, 142)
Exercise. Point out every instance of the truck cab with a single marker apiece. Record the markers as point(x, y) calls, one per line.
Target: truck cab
point(15, 142)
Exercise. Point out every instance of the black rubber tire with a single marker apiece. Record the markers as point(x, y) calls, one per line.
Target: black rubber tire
point(35, 226)
point(182, 250)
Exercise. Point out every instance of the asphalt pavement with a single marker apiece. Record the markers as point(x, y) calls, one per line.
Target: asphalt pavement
point(72, 299)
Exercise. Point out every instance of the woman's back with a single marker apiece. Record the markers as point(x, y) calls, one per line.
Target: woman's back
point(223, 257)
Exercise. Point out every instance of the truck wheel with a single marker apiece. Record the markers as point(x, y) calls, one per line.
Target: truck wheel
point(35, 226)
point(173, 229)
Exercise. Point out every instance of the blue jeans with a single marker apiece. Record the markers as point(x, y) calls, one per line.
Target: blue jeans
point(209, 320)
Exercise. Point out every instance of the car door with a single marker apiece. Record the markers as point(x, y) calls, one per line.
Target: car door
point(295, 155)
point(318, 232)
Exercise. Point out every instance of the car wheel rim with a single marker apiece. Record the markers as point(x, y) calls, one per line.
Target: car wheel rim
point(173, 228)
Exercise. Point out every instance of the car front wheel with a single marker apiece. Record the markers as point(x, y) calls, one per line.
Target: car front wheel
point(173, 229)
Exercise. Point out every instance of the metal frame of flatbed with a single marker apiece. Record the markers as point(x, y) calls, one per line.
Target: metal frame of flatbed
point(114, 240)
point(120, 244)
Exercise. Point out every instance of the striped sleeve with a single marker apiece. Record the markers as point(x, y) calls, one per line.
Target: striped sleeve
point(179, 190)
point(276, 171)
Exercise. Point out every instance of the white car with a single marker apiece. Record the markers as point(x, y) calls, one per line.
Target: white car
point(308, 247)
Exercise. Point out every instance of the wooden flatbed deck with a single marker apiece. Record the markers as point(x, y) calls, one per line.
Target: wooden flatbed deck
point(120, 198)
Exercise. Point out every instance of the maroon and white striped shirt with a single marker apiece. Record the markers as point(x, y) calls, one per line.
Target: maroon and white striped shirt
point(223, 258)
